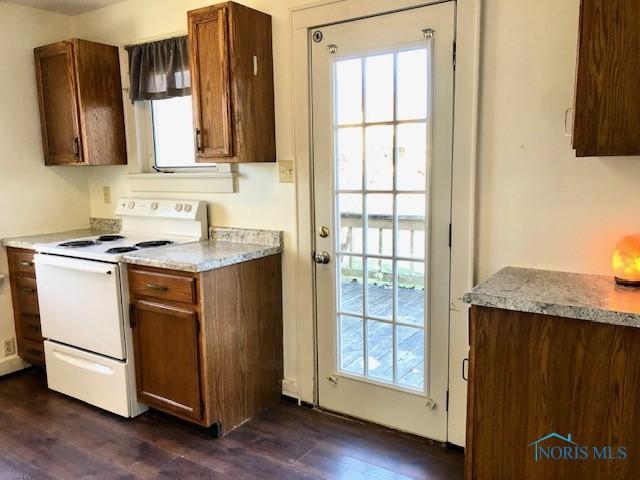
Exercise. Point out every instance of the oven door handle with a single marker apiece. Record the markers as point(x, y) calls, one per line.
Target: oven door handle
point(73, 264)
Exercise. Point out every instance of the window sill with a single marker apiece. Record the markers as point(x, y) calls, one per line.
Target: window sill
point(194, 182)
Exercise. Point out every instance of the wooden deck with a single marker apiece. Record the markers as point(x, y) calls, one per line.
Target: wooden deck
point(410, 346)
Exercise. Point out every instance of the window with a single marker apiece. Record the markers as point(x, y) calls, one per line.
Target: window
point(173, 133)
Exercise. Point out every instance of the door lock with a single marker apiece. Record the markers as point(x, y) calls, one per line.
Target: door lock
point(323, 232)
point(322, 258)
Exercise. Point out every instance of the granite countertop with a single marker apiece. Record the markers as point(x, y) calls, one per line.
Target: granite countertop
point(595, 298)
point(227, 246)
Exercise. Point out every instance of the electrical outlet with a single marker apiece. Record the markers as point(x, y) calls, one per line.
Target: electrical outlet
point(9, 346)
point(106, 194)
point(285, 171)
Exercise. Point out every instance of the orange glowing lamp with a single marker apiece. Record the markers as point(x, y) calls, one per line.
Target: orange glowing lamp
point(626, 261)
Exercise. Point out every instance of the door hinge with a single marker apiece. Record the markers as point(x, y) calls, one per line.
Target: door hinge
point(454, 54)
point(446, 406)
point(450, 235)
point(132, 315)
point(197, 325)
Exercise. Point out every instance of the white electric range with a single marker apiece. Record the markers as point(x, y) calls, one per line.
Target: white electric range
point(83, 297)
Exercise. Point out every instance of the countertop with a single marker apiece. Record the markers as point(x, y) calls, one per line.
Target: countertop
point(28, 242)
point(595, 298)
point(201, 256)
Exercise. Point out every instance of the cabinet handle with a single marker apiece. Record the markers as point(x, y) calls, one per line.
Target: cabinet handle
point(132, 315)
point(159, 288)
point(26, 264)
point(76, 147)
point(28, 290)
point(465, 377)
point(198, 140)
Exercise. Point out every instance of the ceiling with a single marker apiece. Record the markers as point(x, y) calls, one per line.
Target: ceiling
point(67, 7)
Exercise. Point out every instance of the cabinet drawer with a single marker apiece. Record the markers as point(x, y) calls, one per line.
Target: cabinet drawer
point(27, 294)
point(32, 352)
point(22, 261)
point(162, 286)
point(30, 327)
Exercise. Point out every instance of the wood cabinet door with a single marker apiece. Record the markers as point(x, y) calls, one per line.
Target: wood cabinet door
point(167, 358)
point(607, 99)
point(210, 82)
point(58, 101)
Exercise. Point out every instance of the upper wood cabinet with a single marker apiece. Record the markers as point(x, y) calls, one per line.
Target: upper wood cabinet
point(607, 99)
point(80, 98)
point(232, 84)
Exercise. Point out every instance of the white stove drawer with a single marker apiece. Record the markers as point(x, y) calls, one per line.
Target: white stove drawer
point(91, 378)
point(81, 304)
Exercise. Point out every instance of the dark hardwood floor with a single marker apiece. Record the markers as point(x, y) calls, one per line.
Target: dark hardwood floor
point(47, 435)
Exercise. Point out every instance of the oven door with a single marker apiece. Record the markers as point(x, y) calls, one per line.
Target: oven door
point(81, 304)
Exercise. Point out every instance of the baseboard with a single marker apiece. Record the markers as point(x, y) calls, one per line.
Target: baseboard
point(11, 365)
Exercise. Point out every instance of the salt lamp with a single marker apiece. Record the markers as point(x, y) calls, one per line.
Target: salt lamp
point(626, 261)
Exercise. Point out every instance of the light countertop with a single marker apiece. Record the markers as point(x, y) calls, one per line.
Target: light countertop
point(595, 298)
point(28, 242)
point(200, 256)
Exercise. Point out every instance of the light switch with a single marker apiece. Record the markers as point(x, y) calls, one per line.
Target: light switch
point(285, 171)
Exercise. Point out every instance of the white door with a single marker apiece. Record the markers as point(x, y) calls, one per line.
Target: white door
point(382, 141)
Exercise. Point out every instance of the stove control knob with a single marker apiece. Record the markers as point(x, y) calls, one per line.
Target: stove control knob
point(187, 207)
point(131, 204)
point(178, 207)
point(154, 205)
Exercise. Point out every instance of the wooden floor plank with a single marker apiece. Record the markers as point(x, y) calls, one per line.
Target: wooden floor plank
point(45, 435)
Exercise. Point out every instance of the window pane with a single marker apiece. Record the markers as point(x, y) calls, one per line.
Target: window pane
point(379, 157)
point(349, 148)
point(380, 288)
point(350, 222)
point(411, 159)
point(380, 223)
point(380, 350)
point(412, 84)
point(411, 225)
point(349, 91)
point(379, 88)
point(351, 345)
point(351, 284)
point(411, 292)
point(173, 132)
point(410, 351)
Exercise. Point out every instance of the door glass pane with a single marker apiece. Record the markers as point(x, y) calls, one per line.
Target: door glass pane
point(410, 291)
point(380, 288)
point(351, 291)
point(411, 225)
point(351, 344)
point(349, 148)
point(380, 224)
point(350, 222)
point(379, 157)
point(349, 91)
point(379, 88)
point(410, 352)
point(411, 156)
point(380, 350)
point(412, 84)
point(381, 321)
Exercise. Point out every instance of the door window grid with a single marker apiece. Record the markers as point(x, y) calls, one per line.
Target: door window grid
point(364, 314)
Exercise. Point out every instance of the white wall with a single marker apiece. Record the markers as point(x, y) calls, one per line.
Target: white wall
point(33, 198)
point(261, 202)
point(539, 205)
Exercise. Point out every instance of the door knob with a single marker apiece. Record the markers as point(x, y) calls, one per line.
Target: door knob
point(322, 258)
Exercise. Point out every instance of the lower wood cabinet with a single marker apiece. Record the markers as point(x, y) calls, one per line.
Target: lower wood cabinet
point(551, 398)
point(24, 294)
point(208, 346)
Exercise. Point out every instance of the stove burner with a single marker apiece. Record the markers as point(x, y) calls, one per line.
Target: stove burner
point(109, 238)
point(122, 250)
point(77, 243)
point(154, 243)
